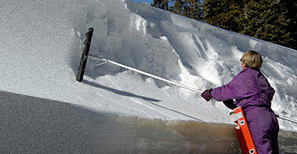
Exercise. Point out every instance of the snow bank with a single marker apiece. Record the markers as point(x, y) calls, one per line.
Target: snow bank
point(41, 43)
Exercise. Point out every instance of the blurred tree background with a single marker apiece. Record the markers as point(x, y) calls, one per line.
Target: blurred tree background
point(269, 20)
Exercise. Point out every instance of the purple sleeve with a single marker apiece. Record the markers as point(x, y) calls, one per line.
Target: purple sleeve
point(243, 85)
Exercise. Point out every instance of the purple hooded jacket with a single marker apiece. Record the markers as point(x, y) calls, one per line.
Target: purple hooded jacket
point(248, 88)
point(253, 93)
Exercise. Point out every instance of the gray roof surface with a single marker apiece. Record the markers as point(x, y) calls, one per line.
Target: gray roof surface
point(35, 125)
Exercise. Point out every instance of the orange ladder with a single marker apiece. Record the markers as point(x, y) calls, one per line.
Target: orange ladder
point(242, 132)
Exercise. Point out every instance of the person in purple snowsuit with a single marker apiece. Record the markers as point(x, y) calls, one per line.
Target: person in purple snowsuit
point(251, 91)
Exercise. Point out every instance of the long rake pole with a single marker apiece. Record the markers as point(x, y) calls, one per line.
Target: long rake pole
point(145, 73)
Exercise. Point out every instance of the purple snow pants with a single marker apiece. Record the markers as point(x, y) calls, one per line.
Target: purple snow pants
point(264, 129)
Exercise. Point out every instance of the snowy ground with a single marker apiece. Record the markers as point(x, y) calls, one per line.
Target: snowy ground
point(41, 44)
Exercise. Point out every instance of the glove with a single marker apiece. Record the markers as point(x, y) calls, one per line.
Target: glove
point(230, 104)
point(206, 94)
